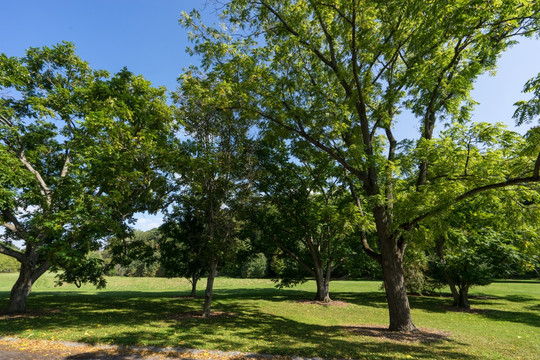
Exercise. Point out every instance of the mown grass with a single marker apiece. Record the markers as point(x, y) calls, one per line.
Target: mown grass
point(505, 323)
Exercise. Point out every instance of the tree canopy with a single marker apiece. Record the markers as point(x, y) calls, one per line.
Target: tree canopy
point(338, 76)
point(79, 151)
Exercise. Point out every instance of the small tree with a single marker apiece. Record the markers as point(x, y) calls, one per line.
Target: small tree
point(183, 251)
point(213, 179)
point(306, 212)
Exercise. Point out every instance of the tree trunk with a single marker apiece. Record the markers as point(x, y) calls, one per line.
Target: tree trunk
point(209, 287)
point(440, 251)
point(455, 294)
point(19, 294)
point(394, 285)
point(463, 302)
point(194, 280)
point(28, 274)
point(323, 286)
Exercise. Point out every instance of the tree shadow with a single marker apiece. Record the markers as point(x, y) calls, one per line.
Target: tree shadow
point(263, 332)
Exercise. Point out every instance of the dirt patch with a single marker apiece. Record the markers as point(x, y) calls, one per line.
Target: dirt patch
point(199, 315)
point(469, 311)
point(331, 303)
point(30, 314)
point(422, 335)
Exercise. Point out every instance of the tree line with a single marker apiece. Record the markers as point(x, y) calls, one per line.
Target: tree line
point(284, 138)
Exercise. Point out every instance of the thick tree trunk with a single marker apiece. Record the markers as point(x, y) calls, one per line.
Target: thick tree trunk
point(463, 302)
point(194, 280)
point(20, 291)
point(19, 294)
point(394, 284)
point(323, 286)
point(209, 287)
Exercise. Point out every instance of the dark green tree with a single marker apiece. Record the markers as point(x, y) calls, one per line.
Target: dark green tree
point(182, 246)
point(213, 181)
point(306, 212)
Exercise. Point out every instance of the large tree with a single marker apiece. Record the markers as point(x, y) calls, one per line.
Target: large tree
point(338, 76)
point(79, 155)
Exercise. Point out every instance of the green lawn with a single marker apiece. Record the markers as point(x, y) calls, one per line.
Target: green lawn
point(260, 318)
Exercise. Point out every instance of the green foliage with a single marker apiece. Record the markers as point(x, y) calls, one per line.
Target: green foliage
point(418, 278)
point(183, 251)
point(304, 212)
point(255, 267)
point(476, 258)
point(526, 111)
point(81, 152)
point(137, 255)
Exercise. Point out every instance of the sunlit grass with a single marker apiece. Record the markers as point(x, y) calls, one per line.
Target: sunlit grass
point(256, 317)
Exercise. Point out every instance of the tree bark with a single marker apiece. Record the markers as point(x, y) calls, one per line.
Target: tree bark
point(394, 285)
point(455, 293)
point(209, 287)
point(20, 291)
point(323, 286)
point(463, 302)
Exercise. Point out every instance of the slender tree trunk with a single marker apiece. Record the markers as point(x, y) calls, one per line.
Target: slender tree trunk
point(463, 302)
point(194, 280)
point(209, 287)
point(20, 291)
point(440, 251)
point(323, 286)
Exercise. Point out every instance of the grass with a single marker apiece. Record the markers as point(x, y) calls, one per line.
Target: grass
point(148, 311)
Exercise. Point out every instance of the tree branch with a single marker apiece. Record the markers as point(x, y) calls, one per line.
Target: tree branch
point(11, 252)
point(471, 193)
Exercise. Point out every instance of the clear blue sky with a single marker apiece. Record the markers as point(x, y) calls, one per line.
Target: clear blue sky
point(145, 37)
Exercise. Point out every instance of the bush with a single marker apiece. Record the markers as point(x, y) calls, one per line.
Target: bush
point(255, 267)
point(417, 277)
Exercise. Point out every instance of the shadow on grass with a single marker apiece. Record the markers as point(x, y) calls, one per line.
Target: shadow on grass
point(143, 318)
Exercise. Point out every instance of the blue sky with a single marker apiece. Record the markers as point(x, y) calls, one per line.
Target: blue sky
point(145, 37)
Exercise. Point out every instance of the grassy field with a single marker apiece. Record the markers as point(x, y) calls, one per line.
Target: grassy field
point(256, 317)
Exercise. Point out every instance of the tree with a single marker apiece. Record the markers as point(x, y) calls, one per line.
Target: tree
point(213, 180)
point(79, 155)
point(484, 238)
point(337, 75)
point(183, 251)
point(137, 255)
point(306, 213)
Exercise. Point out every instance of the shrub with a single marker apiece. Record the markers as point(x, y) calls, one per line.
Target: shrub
point(255, 267)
